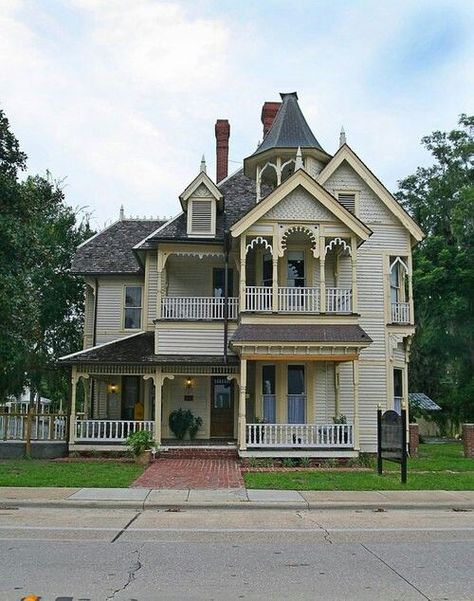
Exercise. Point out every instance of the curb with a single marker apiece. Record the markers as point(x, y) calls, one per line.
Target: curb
point(242, 505)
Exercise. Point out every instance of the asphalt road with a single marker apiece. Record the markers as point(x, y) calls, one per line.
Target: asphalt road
point(98, 555)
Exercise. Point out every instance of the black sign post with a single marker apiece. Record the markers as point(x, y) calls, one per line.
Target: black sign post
point(392, 440)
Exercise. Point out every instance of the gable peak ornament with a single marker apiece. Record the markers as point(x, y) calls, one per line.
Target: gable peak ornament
point(203, 168)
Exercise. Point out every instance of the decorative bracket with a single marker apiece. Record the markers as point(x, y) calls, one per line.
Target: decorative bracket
point(310, 230)
point(338, 242)
point(256, 241)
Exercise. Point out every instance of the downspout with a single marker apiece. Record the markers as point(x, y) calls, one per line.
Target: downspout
point(94, 342)
point(226, 292)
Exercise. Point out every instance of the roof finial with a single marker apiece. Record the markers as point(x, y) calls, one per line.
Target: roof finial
point(342, 137)
point(203, 165)
point(122, 213)
point(299, 159)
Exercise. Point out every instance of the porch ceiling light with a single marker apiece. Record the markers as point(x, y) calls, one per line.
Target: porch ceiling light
point(112, 388)
point(189, 384)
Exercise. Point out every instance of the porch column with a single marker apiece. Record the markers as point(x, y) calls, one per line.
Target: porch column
point(410, 289)
point(275, 306)
point(243, 264)
point(158, 379)
point(72, 415)
point(87, 387)
point(355, 292)
point(160, 265)
point(242, 405)
point(355, 381)
point(322, 274)
point(337, 388)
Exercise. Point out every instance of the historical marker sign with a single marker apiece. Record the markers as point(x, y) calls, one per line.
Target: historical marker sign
point(392, 440)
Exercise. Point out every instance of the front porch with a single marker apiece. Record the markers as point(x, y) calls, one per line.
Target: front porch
point(281, 397)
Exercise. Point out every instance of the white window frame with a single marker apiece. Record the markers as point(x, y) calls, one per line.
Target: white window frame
point(125, 307)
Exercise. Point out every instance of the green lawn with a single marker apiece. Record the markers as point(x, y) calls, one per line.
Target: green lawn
point(36, 472)
point(438, 467)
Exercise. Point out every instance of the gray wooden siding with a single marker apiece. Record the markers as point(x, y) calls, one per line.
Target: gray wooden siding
point(89, 306)
point(192, 340)
point(324, 392)
point(188, 276)
point(152, 279)
point(110, 307)
point(173, 398)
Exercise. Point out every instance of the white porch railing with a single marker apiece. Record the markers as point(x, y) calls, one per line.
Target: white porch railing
point(258, 298)
point(88, 430)
point(400, 312)
point(332, 436)
point(338, 300)
point(298, 300)
point(198, 307)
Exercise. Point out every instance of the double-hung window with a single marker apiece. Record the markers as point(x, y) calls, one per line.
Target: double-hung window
point(133, 308)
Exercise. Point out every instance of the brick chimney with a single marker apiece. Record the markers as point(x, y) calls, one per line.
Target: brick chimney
point(269, 111)
point(222, 149)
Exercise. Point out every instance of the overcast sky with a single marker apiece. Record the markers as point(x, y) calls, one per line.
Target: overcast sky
point(119, 97)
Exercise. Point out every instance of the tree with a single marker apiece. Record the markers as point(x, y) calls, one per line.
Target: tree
point(441, 199)
point(41, 302)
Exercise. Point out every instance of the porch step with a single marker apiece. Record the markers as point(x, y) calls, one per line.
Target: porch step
point(198, 452)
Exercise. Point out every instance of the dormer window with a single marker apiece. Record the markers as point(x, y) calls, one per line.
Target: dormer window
point(202, 217)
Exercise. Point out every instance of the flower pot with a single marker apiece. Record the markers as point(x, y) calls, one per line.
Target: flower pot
point(144, 458)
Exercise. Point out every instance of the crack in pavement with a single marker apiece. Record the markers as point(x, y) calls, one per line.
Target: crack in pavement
point(326, 536)
point(134, 568)
point(395, 571)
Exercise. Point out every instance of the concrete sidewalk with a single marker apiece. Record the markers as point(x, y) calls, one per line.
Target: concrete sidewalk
point(232, 498)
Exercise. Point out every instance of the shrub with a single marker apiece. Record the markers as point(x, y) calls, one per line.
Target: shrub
point(139, 442)
point(287, 462)
point(305, 461)
point(182, 421)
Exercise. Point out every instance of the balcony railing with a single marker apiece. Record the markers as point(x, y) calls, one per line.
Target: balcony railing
point(258, 298)
point(198, 307)
point(298, 300)
point(300, 435)
point(400, 312)
point(338, 300)
point(88, 430)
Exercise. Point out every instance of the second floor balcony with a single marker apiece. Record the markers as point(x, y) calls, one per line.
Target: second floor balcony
point(297, 300)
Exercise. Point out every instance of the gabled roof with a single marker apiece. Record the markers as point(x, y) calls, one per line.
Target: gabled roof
point(111, 250)
point(302, 178)
point(345, 153)
point(201, 178)
point(289, 128)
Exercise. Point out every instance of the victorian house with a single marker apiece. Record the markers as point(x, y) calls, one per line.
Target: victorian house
point(277, 305)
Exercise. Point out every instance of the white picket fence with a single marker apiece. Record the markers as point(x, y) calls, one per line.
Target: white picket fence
point(44, 426)
point(334, 436)
point(105, 430)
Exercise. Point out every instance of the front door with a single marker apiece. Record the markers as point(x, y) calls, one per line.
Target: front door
point(222, 408)
point(130, 396)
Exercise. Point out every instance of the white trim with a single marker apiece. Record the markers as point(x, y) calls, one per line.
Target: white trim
point(201, 178)
point(399, 260)
point(313, 187)
point(345, 153)
point(259, 240)
point(93, 348)
point(136, 247)
point(338, 242)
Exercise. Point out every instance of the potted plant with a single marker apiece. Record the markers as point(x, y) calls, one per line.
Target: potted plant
point(140, 443)
point(180, 420)
point(194, 427)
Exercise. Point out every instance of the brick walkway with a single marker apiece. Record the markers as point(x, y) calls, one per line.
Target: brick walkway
point(192, 473)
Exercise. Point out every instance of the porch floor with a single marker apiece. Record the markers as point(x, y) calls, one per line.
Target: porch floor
point(189, 473)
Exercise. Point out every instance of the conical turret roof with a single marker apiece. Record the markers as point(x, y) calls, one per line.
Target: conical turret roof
point(289, 128)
